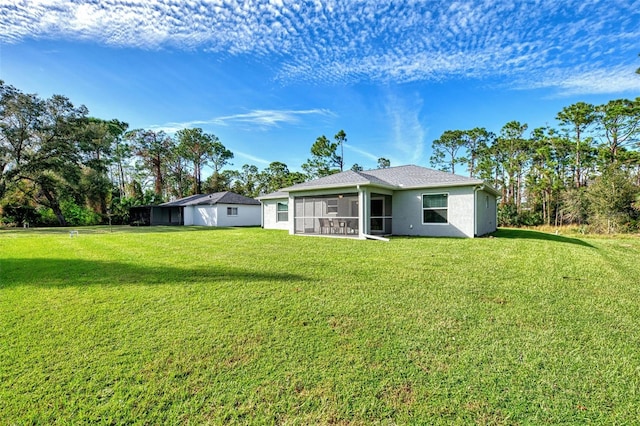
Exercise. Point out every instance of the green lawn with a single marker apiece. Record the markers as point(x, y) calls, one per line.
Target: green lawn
point(193, 325)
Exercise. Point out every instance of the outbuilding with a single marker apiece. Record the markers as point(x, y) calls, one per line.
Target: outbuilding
point(217, 209)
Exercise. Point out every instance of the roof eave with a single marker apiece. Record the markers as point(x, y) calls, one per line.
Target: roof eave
point(452, 184)
point(338, 186)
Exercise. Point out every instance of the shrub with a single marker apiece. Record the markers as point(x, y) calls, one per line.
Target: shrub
point(79, 215)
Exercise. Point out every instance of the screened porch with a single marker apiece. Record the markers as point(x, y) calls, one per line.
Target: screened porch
point(340, 215)
point(327, 215)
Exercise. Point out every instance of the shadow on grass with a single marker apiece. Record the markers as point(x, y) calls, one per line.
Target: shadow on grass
point(115, 229)
point(69, 273)
point(527, 234)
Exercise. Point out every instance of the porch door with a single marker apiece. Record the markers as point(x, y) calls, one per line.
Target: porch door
point(377, 215)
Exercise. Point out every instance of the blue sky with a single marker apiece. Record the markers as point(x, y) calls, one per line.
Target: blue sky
point(269, 77)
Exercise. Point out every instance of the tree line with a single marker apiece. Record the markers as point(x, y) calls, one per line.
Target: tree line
point(59, 165)
point(586, 171)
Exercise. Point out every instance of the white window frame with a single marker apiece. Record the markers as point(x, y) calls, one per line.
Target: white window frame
point(434, 208)
point(232, 211)
point(331, 208)
point(285, 212)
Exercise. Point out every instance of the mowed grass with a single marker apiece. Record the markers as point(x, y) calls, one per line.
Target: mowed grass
point(249, 326)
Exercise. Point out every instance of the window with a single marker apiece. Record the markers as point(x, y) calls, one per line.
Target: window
point(332, 205)
point(232, 211)
point(283, 212)
point(435, 208)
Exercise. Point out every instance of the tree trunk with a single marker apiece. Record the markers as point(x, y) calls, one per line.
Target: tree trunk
point(53, 204)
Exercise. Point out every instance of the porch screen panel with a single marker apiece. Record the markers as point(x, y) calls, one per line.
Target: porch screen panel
point(299, 215)
point(310, 212)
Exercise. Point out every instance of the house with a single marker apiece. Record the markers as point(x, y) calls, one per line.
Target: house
point(217, 209)
point(404, 200)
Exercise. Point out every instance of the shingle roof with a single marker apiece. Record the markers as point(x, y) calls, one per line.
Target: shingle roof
point(348, 178)
point(400, 177)
point(225, 197)
point(416, 177)
point(273, 195)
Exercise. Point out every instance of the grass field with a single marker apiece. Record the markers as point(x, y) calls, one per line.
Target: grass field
point(194, 325)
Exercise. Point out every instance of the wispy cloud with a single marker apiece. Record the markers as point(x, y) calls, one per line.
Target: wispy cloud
point(257, 119)
point(251, 158)
point(366, 40)
point(269, 118)
point(362, 152)
point(408, 132)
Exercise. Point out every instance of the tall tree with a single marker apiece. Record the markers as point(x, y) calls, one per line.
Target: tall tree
point(512, 151)
point(446, 148)
point(246, 181)
point(324, 158)
point(197, 147)
point(277, 176)
point(219, 158)
point(576, 119)
point(341, 139)
point(476, 142)
point(97, 142)
point(383, 163)
point(154, 149)
point(38, 145)
point(619, 125)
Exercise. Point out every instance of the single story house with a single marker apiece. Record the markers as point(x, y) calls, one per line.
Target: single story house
point(404, 200)
point(217, 209)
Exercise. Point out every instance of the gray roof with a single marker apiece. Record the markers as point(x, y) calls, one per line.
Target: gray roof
point(225, 197)
point(417, 177)
point(338, 180)
point(273, 195)
point(401, 177)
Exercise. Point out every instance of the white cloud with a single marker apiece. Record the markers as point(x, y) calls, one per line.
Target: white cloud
point(362, 152)
point(257, 119)
point(269, 118)
point(346, 41)
point(597, 81)
point(408, 132)
point(251, 158)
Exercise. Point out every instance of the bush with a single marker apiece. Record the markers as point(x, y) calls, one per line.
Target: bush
point(19, 215)
point(76, 215)
point(46, 217)
point(509, 216)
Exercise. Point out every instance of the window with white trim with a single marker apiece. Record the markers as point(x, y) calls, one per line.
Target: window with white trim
point(232, 211)
point(332, 205)
point(435, 208)
point(283, 212)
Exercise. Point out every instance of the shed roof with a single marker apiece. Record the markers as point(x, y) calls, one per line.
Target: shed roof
point(226, 197)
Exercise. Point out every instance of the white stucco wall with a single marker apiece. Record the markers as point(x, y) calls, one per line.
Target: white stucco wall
point(188, 215)
point(270, 214)
point(248, 215)
point(486, 208)
point(407, 213)
point(205, 215)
